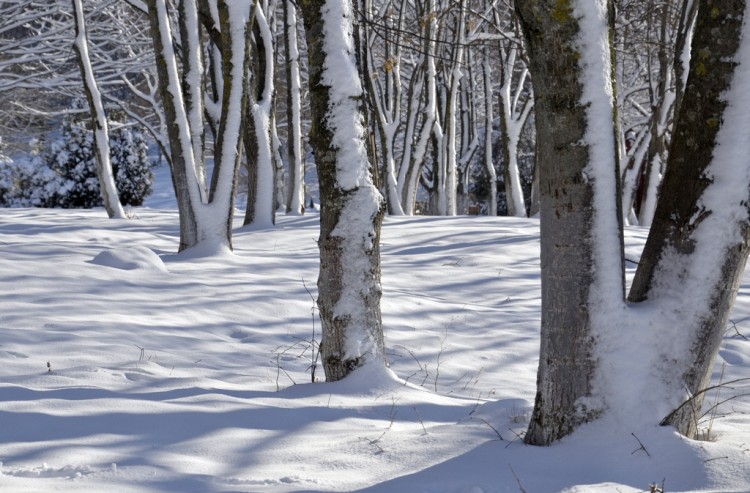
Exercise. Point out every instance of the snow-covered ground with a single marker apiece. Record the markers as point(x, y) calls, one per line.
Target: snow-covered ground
point(171, 373)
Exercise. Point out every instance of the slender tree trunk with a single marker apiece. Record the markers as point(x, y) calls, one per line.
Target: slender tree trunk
point(489, 118)
point(192, 81)
point(661, 111)
point(430, 126)
point(295, 200)
point(447, 199)
point(98, 118)
point(261, 206)
point(351, 206)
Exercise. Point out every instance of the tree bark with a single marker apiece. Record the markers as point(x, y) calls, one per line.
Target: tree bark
point(199, 214)
point(98, 118)
point(687, 218)
point(261, 206)
point(179, 159)
point(351, 207)
point(570, 259)
point(295, 199)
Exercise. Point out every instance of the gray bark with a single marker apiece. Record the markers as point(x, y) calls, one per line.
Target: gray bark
point(188, 222)
point(349, 257)
point(680, 212)
point(295, 198)
point(567, 363)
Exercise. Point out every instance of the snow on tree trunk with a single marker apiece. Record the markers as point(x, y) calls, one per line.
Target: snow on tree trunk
point(430, 125)
point(447, 199)
point(569, 51)
point(512, 122)
point(216, 216)
point(351, 206)
point(192, 60)
point(385, 95)
point(98, 118)
point(698, 246)
point(489, 118)
point(295, 200)
point(203, 221)
point(261, 207)
point(180, 143)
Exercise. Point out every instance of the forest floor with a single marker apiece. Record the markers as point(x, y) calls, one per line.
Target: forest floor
point(127, 368)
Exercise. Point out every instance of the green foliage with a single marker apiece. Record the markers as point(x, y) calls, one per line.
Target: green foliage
point(63, 172)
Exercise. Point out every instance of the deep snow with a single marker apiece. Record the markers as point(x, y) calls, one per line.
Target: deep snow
point(179, 373)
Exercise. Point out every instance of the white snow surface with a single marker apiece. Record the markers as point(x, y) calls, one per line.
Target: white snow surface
point(195, 379)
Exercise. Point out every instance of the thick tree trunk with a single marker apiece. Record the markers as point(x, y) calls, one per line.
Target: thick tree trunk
point(575, 271)
point(702, 218)
point(351, 207)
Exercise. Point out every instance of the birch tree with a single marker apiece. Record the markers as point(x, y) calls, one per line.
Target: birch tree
point(351, 206)
point(666, 340)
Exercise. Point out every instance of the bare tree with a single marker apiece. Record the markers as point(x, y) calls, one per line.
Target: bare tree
point(295, 201)
point(351, 206)
point(98, 117)
point(698, 244)
point(205, 215)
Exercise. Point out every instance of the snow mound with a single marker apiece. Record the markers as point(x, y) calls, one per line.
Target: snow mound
point(130, 258)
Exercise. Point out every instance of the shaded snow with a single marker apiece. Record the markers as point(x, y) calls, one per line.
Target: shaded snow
point(184, 381)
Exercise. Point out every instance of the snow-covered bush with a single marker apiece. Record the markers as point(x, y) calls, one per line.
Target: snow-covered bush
point(72, 159)
point(132, 169)
point(63, 173)
point(6, 175)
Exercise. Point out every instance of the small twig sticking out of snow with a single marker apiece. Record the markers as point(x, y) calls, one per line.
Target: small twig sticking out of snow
point(475, 379)
point(143, 353)
point(374, 443)
point(420, 419)
point(518, 437)
point(392, 413)
point(440, 353)
point(280, 369)
point(691, 400)
point(641, 446)
point(315, 354)
point(520, 485)
point(714, 407)
point(492, 427)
